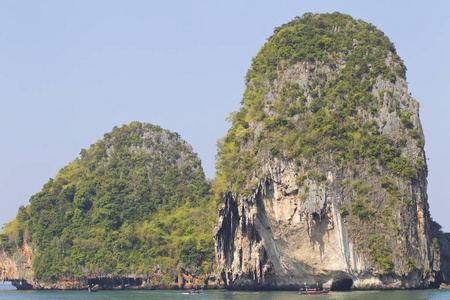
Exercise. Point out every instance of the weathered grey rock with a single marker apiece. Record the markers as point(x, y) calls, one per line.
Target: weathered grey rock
point(275, 239)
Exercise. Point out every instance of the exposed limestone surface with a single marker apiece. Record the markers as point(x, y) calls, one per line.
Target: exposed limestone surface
point(274, 239)
point(350, 217)
point(17, 266)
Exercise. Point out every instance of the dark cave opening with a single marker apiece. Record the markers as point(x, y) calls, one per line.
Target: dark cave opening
point(342, 284)
point(119, 282)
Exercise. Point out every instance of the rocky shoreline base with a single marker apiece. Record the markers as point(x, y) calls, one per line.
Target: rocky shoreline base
point(158, 281)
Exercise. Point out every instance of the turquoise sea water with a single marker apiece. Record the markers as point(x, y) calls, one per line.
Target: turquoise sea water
point(8, 292)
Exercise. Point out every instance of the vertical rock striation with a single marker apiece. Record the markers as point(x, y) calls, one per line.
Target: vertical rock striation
point(323, 172)
point(15, 265)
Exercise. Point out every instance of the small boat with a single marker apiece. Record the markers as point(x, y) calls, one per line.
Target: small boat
point(196, 292)
point(93, 289)
point(314, 292)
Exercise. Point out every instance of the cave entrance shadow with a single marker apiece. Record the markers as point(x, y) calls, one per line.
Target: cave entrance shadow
point(342, 284)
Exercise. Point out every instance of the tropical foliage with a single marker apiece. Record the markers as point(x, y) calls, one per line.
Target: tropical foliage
point(335, 110)
point(135, 200)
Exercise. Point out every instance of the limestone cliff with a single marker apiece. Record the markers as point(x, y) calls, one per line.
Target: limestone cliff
point(16, 266)
point(323, 172)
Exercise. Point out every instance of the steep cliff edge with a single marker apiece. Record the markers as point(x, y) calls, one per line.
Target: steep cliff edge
point(16, 266)
point(323, 172)
point(134, 211)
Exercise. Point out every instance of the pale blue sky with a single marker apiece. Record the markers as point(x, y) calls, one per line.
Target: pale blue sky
point(72, 70)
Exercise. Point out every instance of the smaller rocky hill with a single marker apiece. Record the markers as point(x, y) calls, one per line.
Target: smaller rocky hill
point(136, 205)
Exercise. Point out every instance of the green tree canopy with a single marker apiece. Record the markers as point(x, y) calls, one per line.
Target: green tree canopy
point(135, 200)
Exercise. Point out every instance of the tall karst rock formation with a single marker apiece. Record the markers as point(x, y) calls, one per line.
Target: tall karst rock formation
point(323, 172)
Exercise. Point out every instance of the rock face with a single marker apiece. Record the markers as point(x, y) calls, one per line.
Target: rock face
point(323, 172)
point(17, 266)
point(441, 243)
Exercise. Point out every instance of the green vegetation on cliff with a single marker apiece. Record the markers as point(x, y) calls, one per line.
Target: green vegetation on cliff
point(135, 200)
point(335, 109)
